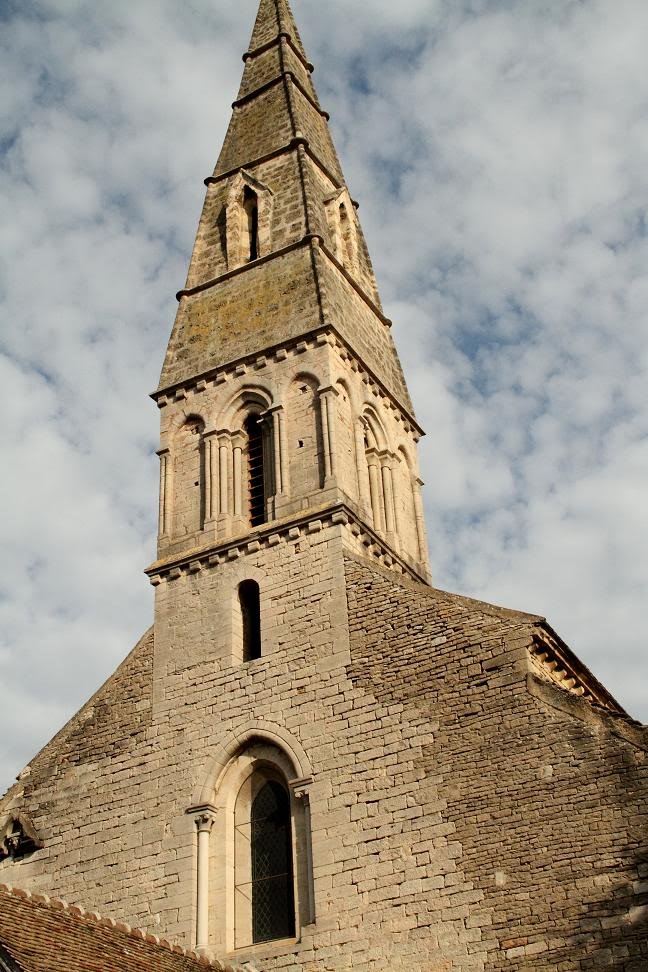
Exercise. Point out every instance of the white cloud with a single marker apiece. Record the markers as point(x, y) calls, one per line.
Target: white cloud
point(498, 153)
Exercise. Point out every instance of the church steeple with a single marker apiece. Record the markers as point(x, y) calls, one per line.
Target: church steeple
point(273, 18)
point(280, 342)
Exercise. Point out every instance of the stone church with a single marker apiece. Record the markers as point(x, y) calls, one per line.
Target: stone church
point(315, 760)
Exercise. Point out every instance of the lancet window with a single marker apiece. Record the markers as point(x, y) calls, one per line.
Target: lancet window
point(345, 237)
point(258, 824)
point(250, 613)
point(251, 235)
point(248, 220)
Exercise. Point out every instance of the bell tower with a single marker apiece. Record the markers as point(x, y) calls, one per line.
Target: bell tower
point(282, 398)
point(314, 760)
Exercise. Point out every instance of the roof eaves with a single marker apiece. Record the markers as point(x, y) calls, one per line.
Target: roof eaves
point(7, 962)
point(92, 917)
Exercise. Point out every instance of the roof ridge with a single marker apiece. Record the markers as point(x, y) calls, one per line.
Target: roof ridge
point(140, 934)
point(431, 591)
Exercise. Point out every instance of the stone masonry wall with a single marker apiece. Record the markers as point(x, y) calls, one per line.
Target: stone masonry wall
point(458, 822)
point(247, 314)
point(546, 808)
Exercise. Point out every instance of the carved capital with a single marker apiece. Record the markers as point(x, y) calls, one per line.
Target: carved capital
point(204, 822)
point(301, 788)
point(204, 817)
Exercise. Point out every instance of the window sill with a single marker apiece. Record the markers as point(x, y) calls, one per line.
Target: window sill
point(281, 946)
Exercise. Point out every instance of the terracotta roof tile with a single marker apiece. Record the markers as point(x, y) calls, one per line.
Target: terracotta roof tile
point(42, 935)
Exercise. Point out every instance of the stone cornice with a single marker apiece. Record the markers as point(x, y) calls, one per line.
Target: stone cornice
point(237, 271)
point(322, 335)
point(304, 241)
point(290, 146)
point(250, 55)
point(559, 664)
point(287, 530)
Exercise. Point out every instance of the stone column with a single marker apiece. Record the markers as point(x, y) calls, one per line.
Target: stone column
point(164, 520)
point(329, 419)
point(388, 493)
point(417, 484)
point(211, 476)
point(375, 489)
point(224, 449)
point(283, 450)
point(300, 792)
point(204, 822)
point(276, 450)
point(362, 469)
point(276, 459)
point(237, 473)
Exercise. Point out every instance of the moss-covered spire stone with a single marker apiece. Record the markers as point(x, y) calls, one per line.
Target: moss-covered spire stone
point(278, 213)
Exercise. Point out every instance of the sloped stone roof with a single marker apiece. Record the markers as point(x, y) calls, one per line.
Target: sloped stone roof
point(42, 935)
point(435, 629)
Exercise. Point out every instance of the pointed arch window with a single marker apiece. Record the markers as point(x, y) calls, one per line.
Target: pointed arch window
point(248, 220)
point(250, 605)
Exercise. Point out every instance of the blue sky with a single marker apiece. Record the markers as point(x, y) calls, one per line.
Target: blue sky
point(498, 153)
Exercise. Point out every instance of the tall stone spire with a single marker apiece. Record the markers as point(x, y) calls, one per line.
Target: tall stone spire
point(279, 136)
point(280, 268)
point(275, 17)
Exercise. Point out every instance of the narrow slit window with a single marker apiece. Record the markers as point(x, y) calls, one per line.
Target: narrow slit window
point(250, 602)
point(256, 470)
point(251, 210)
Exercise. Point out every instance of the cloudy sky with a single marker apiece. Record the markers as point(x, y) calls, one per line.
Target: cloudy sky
point(498, 150)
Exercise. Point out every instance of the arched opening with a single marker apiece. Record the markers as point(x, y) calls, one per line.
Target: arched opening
point(256, 472)
point(262, 887)
point(272, 884)
point(250, 605)
point(251, 214)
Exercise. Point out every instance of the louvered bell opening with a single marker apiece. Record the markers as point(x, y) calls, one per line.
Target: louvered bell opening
point(256, 473)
